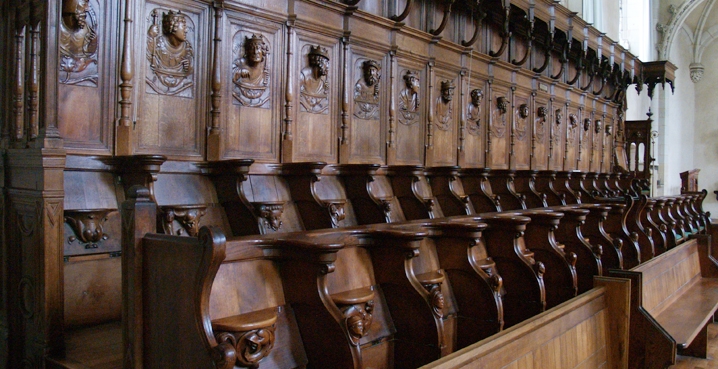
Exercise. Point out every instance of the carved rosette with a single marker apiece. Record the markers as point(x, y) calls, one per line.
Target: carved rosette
point(249, 347)
point(436, 299)
point(78, 43)
point(87, 226)
point(269, 214)
point(170, 54)
point(188, 216)
point(409, 99)
point(250, 70)
point(498, 123)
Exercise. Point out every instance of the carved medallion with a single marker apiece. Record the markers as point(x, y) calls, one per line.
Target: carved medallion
point(170, 54)
point(78, 43)
point(473, 112)
point(444, 107)
point(366, 91)
point(521, 127)
point(250, 70)
point(409, 99)
point(498, 121)
point(314, 82)
point(540, 123)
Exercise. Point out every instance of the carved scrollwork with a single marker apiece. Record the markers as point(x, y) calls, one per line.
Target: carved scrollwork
point(444, 107)
point(498, 123)
point(270, 214)
point(188, 216)
point(250, 70)
point(357, 320)
point(314, 82)
point(170, 54)
point(473, 112)
point(367, 91)
point(78, 43)
point(409, 99)
point(336, 212)
point(436, 299)
point(247, 348)
point(87, 225)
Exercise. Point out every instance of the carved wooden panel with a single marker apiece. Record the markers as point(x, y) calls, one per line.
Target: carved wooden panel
point(86, 75)
point(170, 85)
point(499, 128)
point(475, 112)
point(410, 90)
point(585, 140)
point(557, 144)
point(522, 117)
point(369, 79)
point(573, 137)
point(609, 130)
point(446, 119)
point(597, 139)
point(541, 134)
point(318, 74)
point(253, 88)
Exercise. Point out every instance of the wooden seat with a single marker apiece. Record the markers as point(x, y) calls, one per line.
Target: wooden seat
point(675, 296)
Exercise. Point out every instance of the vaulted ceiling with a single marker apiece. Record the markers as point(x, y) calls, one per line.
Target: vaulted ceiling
point(698, 19)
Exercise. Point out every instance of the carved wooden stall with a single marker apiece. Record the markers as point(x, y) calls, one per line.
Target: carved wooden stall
point(260, 118)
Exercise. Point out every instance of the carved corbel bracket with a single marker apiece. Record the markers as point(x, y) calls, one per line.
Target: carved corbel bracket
point(547, 53)
point(432, 281)
point(563, 59)
point(531, 38)
point(245, 339)
point(357, 307)
point(444, 20)
point(87, 226)
point(400, 17)
point(137, 170)
point(188, 216)
point(478, 20)
point(269, 214)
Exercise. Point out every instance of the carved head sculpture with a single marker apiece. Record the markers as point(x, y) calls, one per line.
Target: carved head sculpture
point(447, 90)
point(541, 112)
point(476, 96)
point(411, 80)
point(355, 325)
point(319, 60)
point(559, 116)
point(174, 26)
point(609, 129)
point(74, 13)
point(255, 50)
point(598, 126)
point(573, 119)
point(523, 111)
point(502, 104)
point(586, 124)
point(372, 72)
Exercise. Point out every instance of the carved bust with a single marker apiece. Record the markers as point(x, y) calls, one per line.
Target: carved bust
point(250, 73)
point(559, 116)
point(78, 43)
point(444, 108)
point(314, 85)
point(170, 55)
point(599, 126)
point(540, 122)
point(609, 129)
point(573, 120)
point(523, 111)
point(474, 111)
point(366, 91)
point(586, 124)
point(502, 104)
point(409, 99)
point(541, 113)
point(498, 120)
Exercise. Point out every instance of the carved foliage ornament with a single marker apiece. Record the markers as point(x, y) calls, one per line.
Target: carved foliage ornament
point(444, 107)
point(314, 82)
point(170, 54)
point(473, 114)
point(250, 70)
point(409, 99)
point(366, 91)
point(498, 123)
point(250, 347)
point(78, 44)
